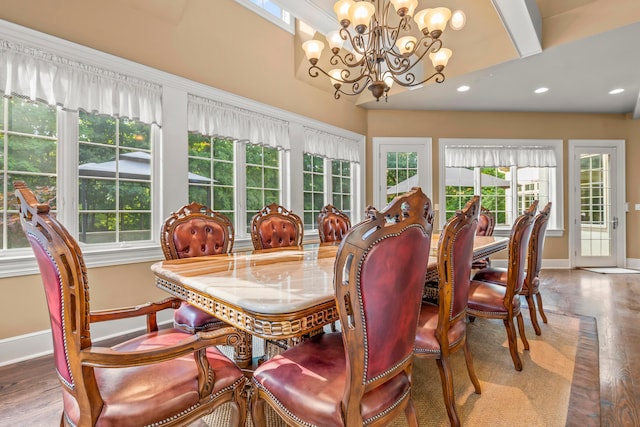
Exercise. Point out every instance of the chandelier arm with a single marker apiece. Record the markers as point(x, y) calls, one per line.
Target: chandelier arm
point(439, 78)
point(428, 48)
point(315, 71)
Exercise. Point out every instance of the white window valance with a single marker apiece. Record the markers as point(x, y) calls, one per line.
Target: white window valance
point(335, 147)
point(463, 156)
point(39, 75)
point(217, 119)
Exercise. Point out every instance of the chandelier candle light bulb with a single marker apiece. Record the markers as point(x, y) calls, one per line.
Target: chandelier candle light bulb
point(385, 48)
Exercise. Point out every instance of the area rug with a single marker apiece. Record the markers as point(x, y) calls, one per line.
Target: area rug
point(558, 386)
point(611, 270)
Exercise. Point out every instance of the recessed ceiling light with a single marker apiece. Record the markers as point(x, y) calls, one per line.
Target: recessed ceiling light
point(616, 91)
point(463, 88)
point(541, 90)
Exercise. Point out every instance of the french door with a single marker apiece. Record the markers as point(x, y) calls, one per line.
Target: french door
point(398, 165)
point(597, 223)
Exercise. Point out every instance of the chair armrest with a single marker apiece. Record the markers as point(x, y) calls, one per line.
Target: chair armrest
point(149, 309)
point(105, 357)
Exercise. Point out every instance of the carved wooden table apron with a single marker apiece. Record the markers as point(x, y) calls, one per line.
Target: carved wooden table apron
point(274, 294)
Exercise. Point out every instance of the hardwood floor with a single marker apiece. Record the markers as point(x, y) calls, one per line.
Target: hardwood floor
point(30, 395)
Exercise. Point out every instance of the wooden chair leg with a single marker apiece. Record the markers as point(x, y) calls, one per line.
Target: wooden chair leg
point(239, 408)
point(523, 337)
point(540, 309)
point(257, 410)
point(470, 369)
point(513, 343)
point(532, 314)
point(410, 414)
point(446, 377)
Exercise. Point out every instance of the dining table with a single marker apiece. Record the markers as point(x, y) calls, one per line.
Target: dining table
point(281, 295)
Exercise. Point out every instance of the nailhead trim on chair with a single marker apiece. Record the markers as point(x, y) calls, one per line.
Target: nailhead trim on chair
point(64, 332)
point(366, 347)
point(389, 409)
point(197, 405)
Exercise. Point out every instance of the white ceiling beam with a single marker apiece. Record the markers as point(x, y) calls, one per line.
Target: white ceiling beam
point(636, 110)
point(522, 20)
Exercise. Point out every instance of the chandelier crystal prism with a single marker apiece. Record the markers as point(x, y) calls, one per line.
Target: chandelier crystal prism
point(385, 46)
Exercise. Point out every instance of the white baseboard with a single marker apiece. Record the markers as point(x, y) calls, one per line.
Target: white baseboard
point(36, 344)
point(633, 263)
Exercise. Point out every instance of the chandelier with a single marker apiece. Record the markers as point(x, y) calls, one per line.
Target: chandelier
point(384, 46)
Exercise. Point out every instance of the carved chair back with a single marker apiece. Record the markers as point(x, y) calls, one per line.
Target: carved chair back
point(379, 275)
point(536, 244)
point(333, 224)
point(64, 277)
point(455, 252)
point(276, 227)
point(518, 249)
point(196, 230)
point(486, 222)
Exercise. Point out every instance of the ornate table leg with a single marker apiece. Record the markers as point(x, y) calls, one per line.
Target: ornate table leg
point(243, 352)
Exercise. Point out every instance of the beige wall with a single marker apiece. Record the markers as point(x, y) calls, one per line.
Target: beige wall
point(169, 35)
point(450, 124)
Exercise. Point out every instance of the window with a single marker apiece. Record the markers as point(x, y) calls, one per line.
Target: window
point(593, 187)
point(402, 169)
point(271, 11)
point(262, 179)
point(28, 131)
point(508, 175)
point(341, 185)
point(313, 188)
point(114, 180)
point(212, 173)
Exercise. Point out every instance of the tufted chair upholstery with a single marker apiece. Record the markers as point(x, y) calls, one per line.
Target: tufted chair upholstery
point(442, 328)
point(531, 285)
point(361, 375)
point(502, 301)
point(333, 224)
point(276, 227)
point(195, 230)
point(486, 224)
point(163, 377)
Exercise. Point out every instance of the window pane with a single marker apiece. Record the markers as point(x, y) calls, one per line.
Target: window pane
point(212, 157)
point(262, 178)
point(97, 195)
point(115, 185)
point(199, 145)
point(98, 129)
point(97, 227)
point(27, 154)
point(134, 134)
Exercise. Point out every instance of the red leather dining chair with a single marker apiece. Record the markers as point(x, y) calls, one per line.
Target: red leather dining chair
point(495, 301)
point(531, 285)
point(486, 225)
point(195, 230)
point(361, 375)
point(442, 328)
point(333, 224)
point(162, 377)
point(275, 227)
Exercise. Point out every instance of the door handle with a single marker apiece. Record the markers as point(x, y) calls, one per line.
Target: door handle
point(615, 222)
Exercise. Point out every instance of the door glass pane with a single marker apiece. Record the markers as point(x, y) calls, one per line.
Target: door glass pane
point(402, 172)
point(595, 204)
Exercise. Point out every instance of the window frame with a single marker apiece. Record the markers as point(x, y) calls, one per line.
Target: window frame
point(556, 192)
